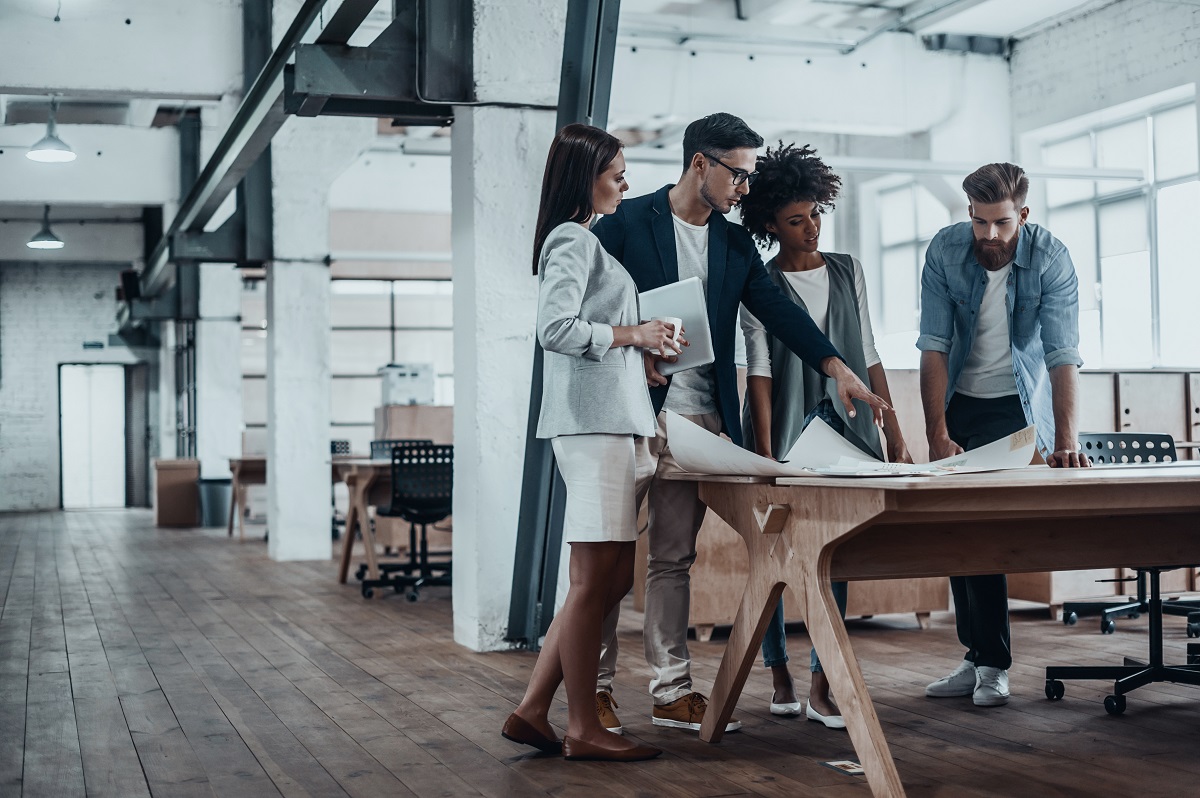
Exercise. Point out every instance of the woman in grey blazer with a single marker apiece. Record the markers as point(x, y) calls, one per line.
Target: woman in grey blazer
point(594, 403)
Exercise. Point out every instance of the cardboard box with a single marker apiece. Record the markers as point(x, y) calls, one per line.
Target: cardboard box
point(400, 422)
point(176, 499)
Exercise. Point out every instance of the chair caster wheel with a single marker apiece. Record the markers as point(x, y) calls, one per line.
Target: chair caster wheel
point(1108, 626)
point(412, 595)
point(1114, 704)
point(1135, 615)
point(1193, 630)
point(1070, 618)
point(360, 573)
point(1055, 689)
point(368, 592)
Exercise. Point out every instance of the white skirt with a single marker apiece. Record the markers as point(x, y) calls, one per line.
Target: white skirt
point(599, 471)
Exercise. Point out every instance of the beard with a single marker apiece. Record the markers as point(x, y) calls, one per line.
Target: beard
point(707, 196)
point(995, 257)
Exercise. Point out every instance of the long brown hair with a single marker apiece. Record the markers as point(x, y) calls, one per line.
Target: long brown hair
point(578, 155)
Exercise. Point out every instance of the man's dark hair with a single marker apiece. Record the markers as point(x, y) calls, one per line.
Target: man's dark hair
point(717, 134)
point(786, 174)
point(997, 182)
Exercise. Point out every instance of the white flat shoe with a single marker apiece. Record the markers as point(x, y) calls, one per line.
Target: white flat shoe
point(787, 710)
point(830, 721)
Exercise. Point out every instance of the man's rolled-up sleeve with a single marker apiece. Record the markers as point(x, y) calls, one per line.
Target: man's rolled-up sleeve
point(1059, 312)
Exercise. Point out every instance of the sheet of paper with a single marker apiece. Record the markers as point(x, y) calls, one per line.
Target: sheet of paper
point(820, 450)
point(700, 452)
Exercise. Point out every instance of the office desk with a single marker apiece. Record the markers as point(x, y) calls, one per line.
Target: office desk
point(807, 531)
point(252, 470)
point(370, 483)
point(246, 471)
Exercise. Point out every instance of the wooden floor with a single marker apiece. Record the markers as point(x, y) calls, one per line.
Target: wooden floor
point(137, 661)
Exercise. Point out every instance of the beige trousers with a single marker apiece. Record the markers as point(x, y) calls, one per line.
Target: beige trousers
point(675, 515)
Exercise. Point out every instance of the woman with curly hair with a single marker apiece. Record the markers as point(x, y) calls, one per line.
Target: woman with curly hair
point(794, 189)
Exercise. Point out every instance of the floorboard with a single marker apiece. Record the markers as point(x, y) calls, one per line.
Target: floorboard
point(136, 662)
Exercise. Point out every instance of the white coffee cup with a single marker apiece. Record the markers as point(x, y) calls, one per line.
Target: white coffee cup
point(676, 323)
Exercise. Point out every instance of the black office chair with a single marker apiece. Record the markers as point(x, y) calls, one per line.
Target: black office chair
point(337, 448)
point(1131, 449)
point(422, 494)
point(1110, 448)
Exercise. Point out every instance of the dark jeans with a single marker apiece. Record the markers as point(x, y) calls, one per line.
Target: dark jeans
point(981, 602)
point(774, 644)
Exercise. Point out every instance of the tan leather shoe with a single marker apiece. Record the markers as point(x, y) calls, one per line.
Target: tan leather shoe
point(604, 711)
point(578, 749)
point(687, 712)
point(520, 731)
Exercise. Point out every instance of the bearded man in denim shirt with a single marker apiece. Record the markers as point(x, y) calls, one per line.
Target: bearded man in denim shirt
point(999, 351)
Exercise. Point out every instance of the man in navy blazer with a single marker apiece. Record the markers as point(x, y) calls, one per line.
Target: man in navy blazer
point(675, 233)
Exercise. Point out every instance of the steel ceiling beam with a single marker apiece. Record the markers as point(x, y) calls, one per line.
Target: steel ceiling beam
point(258, 118)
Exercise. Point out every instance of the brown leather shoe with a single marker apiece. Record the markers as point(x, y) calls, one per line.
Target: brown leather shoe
point(578, 749)
point(520, 731)
point(687, 712)
point(604, 711)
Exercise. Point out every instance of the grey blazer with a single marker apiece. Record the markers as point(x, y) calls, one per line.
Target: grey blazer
point(588, 386)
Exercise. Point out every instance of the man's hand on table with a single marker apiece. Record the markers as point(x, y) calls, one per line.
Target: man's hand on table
point(1068, 456)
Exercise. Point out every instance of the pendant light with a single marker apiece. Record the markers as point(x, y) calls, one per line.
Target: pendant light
point(51, 149)
point(45, 238)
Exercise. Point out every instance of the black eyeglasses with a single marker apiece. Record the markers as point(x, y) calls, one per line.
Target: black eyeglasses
point(739, 175)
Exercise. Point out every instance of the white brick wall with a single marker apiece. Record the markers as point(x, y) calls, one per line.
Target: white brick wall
point(47, 311)
point(1120, 52)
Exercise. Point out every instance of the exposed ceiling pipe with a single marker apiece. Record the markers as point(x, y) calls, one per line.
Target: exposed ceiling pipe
point(681, 29)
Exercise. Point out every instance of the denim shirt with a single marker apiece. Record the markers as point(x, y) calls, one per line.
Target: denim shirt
point(1042, 300)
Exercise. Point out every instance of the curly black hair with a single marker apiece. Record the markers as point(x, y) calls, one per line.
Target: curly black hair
point(786, 174)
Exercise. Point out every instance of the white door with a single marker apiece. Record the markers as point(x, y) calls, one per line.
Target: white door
point(92, 412)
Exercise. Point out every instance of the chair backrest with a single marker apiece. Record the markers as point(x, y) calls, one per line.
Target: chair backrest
point(382, 449)
point(339, 447)
point(1104, 448)
point(423, 481)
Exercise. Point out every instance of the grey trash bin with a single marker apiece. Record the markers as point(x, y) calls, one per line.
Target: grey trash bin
point(214, 501)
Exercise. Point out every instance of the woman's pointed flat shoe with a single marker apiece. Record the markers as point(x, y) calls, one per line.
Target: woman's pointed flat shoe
point(787, 710)
point(520, 731)
point(578, 749)
point(830, 721)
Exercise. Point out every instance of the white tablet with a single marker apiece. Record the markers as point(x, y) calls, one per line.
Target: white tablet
point(683, 300)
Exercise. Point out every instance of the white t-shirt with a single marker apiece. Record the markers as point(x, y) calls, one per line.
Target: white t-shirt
point(813, 288)
point(988, 372)
point(692, 391)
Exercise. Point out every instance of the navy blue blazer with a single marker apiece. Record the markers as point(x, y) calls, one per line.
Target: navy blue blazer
point(641, 236)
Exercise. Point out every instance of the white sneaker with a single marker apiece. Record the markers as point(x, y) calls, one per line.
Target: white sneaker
point(961, 681)
point(992, 690)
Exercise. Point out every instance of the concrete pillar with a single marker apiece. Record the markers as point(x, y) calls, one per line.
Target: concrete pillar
point(306, 156)
point(498, 155)
point(218, 369)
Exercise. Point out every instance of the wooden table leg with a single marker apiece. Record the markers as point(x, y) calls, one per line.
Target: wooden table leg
point(768, 553)
point(348, 542)
point(832, 643)
point(241, 498)
point(758, 605)
point(233, 503)
point(368, 535)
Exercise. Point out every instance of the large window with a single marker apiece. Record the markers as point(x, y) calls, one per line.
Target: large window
point(373, 323)
point(909, 217)
point(1130, 240)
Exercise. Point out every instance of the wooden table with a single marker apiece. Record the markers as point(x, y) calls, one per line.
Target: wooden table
point(370, 483)
point(252, 470)
point(246, 471)
point(809, 531)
